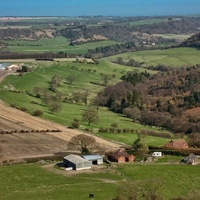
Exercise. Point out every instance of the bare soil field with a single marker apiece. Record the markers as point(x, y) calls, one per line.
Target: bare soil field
point(25, 136)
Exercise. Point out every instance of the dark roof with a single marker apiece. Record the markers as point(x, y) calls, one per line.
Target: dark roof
point(189, 159)
point(120, 153)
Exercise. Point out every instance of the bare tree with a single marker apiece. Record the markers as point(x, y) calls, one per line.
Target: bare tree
point(83, 143)
point(84, 96)
point(55, 107)
point(70, 79)
point(90, 116)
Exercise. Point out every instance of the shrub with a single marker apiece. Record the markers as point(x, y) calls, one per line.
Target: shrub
point(37, 113)
point(23, 109)
point(76, 123)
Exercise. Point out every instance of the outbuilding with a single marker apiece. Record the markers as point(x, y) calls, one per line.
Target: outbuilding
point(191, 159)
point(76, 162)
point(121, 157)
point(94, 158)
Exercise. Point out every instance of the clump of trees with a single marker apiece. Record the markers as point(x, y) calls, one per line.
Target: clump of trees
point(163, 99)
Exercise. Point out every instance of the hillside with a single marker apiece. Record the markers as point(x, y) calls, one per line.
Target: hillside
point(160, 99)
point(25, 136)
point(193, 41)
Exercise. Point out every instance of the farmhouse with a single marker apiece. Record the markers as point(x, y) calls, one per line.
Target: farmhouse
point(76, 162)
point(94, 158)
point(191, 159)
point(121, 157)
point(177, 144)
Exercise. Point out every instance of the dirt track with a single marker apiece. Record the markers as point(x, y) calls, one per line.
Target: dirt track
point(19, 145)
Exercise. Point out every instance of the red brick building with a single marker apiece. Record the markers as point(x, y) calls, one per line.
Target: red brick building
point(121, 157)
point(177, 144)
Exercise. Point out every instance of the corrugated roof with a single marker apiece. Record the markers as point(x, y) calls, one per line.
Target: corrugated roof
point(92, 157)
point(75, 159)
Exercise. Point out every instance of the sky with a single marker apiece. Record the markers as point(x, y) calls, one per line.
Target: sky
point(98, 7)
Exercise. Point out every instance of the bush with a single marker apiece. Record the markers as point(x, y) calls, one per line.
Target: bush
point(76, 123)
point(23, 109)
point(37, 113)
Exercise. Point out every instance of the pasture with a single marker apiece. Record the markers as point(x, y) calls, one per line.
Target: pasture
point(83, 74)
point(34, 181)
point(170, 57)
point(57, 44)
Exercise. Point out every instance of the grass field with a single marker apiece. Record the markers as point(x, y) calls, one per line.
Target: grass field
point(169, 57)
point(129, 138)
point(41, 76)
point(180, 37)
point(36, 182)
point(56, 44)
point(148, 22)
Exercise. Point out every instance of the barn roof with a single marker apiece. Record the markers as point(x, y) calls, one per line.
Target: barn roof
point(75, 159)
point(120, 153)
point(189, 159)
point(92, 157)
point(180, 143)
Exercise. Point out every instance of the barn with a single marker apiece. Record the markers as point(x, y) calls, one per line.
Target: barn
point(76, 162)
point(94, 158)
point(121, 157)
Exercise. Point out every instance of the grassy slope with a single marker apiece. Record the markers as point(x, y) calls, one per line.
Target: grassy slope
point(33, 182)
point(53, 45)
point(169, 57)
point(42, 75)
point(176, 179)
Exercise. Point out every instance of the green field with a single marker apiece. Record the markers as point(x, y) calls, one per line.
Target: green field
point(33, 181)
point(147, 22)
point(129, 138)
point(168, 57)
point(41, 76)
point(56, 44)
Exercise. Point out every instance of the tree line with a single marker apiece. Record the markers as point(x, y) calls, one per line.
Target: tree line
point(162, 99)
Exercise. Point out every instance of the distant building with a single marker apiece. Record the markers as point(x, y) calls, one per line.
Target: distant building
point(94, 158)
point(176, 144)
point(121, 157)
point(191, 159)
point(76, 162)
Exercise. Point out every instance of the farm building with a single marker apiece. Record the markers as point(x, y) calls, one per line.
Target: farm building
point(177, 144)
point(191, 159)
point(94, 158)
point(157, 154)
point(76, 162)
point(121, 157)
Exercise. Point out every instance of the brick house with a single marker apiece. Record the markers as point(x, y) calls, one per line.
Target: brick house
point(121, 157)
point(176, 144)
